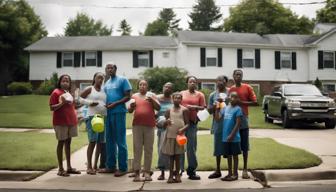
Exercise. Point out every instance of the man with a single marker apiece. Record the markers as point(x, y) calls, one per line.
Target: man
point(118, 91)
point(247, 97)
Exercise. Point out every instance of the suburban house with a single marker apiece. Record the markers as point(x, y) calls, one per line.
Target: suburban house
point(266, 60)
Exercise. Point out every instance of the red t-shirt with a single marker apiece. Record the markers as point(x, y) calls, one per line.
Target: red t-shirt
point(196, 98)
point(144, 114)
point(245, 93)
point(66, 115)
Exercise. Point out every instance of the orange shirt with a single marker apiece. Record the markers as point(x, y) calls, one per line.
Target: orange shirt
point(144, 114)
point(196, 98)
point(245, 93)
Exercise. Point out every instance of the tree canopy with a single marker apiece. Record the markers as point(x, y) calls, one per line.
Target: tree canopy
point(266, 17)
point(156, 28)
point(83, 25)
point(19, 27)
point(124, 28)
point(204, 15)
point(328, 13)
point(168, 16)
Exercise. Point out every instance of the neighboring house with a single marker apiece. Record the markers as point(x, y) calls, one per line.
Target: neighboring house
point(266, 60)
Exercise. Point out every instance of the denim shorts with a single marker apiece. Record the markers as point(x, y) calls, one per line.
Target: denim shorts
point(94, 136)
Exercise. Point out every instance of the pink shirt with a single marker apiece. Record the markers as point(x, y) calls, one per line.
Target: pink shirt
point(196, 98)
point(144, 114)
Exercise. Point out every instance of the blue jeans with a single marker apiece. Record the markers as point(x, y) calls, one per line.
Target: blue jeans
point(163, 160)
point(116, 141)
point(191, 135)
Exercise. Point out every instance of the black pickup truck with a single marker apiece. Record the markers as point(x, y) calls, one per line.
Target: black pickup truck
point(299, 102)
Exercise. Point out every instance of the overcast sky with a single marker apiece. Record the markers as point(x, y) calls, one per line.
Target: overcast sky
point(56, 13)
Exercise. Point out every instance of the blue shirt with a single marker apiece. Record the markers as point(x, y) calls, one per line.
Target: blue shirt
point(230, 115)
point(164, 106)
point(115, 89)
point(216, 125)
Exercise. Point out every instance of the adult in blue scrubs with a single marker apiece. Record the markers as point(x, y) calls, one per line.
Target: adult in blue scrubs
point(118, 91)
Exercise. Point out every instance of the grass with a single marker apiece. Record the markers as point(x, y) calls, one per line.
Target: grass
point(32, 111)
point(265, 154)
point(32, 150)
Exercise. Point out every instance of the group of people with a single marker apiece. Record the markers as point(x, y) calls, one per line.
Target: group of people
point(172, 113)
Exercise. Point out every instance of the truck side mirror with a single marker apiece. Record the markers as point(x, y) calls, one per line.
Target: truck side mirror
point(277, 94)
point(325, 94)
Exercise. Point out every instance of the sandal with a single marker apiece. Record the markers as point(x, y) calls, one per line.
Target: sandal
point(161, 177)
point(137, 178)
point(132, 175)
point(63, 173)
point(170, 180)
point(177, 179)
point(245, 175)
point(91, 172)
point(148, 177)
point(226, 178)
point(215, 175)
point(73, 171)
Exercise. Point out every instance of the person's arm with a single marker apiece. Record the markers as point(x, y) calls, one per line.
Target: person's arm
point(83, 97)
point(235, 129)
point(127, 96)
point(211, 106)
point(186, 122)
point(57, 106)
point(55, 102)
point(201, 104)
point(252, 98)
point(155, 103)
point(132, 107)
point(218, 113)
point(168, 121)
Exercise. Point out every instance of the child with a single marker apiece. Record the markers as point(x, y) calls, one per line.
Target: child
point(95, 97)
point(176, 124)
point(64, 122)
point(143, 129)
point(231, 138)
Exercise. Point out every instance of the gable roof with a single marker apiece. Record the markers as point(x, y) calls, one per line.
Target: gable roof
point(222, 38)
point(103, 43)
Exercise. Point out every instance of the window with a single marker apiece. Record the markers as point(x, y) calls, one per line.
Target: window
point(256, 88)
point(328, 60)
point(91, 58)
point(211, 57)
point(248, 58)
point(82, 86)
point(329, 87)
point(209, 85)
point(165, 54)
point(143, 59)
point(286, 60)
point(68, 59)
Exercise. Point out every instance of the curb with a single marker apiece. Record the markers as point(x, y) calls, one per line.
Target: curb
point(6, 175)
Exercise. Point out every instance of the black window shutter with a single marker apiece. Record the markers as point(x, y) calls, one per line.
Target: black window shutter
point(83, 58)
point(77, 58)
point(335, 60)
point(99, 58)
point(202, 57)
point(277, 59)
point(219, 56)
point(294, 60)
point(135, 59)
point(151, 59)
point(320, 59)
point(257, 58)
point(59, 60)
point(239, 58)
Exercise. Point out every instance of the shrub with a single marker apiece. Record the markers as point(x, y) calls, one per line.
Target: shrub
point(47, 86)
point(20, 88)
point(206, 93)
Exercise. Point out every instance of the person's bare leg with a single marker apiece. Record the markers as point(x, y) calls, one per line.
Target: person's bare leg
point(177, 168)
point(97, 154)
point(68, 152)
point(59, 152)
point(235, 166)
point(171, 169)
point(245, 158)
point(89, 154)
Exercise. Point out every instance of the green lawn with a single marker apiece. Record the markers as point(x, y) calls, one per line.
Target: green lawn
point(32, 150)
point(32, 111)
point(265, 154)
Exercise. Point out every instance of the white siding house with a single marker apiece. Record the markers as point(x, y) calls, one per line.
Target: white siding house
point(266, 60)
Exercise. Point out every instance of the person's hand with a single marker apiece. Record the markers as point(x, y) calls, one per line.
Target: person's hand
point(111, 105)
point(168, 122)
point(230, 138)
point(132, 105)
point(149, 99)
point(180, 131)
point(94, 104)
point(191, 107)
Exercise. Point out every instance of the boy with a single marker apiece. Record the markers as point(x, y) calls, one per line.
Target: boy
point(231, 139)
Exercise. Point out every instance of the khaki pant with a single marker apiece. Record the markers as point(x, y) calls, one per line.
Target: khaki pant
point(143, 139)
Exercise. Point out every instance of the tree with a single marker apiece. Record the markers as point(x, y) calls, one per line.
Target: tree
point(19, 27)
point(124, 28)
point(168, 16)
point(328, 13)
point(157, 77)
point(266, 17)
point(156, 28)
point(83, 25)
point(204, 14)
point(318, 83)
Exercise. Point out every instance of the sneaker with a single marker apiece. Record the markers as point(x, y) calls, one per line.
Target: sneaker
point(215, 175)
point(194, 177)
point(120, 173)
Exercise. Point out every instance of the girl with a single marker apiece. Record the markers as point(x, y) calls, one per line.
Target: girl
point(94, 96)
point(176, 124)
point(64, 122)
point(143, 128)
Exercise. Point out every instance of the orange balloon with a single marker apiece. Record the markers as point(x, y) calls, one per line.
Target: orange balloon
point(181, 140)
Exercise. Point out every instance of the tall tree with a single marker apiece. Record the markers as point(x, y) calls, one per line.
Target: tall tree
point(19, 27)
point(204, 15)
point(328, 13)
point(266, 17)
point(156, 28)
point(124, 28)
point(83, 25)
point(168, 16)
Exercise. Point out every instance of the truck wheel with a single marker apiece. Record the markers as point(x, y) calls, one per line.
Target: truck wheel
point(330, 123)
point(267, 119)
point(286, 122)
